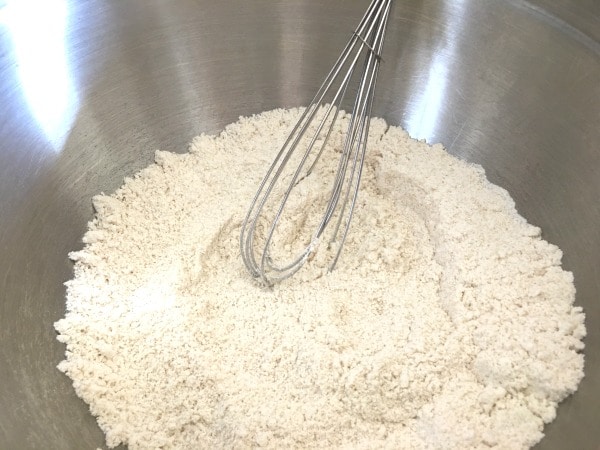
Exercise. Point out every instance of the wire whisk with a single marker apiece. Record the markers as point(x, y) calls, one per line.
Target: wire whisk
point(305, 145)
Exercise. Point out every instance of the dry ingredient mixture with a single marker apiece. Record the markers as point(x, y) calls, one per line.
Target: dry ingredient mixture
point(448, 322)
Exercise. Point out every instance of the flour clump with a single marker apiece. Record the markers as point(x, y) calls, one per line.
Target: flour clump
point(448, 322)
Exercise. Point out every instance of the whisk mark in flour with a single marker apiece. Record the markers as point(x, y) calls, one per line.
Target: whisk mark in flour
point(450, 322)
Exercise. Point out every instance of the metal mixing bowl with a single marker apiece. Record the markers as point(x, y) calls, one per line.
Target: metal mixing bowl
point(89, 89)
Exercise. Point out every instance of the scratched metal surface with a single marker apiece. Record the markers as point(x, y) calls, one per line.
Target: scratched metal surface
point(89, 89)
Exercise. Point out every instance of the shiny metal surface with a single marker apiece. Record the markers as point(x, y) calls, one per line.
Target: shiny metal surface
point(89, 89)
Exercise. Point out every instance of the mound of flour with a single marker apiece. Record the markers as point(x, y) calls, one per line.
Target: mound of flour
point(447, 323)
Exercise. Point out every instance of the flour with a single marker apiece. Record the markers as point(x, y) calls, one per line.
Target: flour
point(448, 322)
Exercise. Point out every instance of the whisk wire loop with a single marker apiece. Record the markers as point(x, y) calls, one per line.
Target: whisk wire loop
point(366, 43)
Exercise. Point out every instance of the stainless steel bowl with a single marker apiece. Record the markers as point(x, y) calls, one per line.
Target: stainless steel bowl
point(89, 89)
